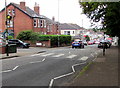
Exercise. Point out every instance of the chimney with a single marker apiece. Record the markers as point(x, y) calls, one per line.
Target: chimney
point(22, 5)
point(36, 8)
point(53, 18)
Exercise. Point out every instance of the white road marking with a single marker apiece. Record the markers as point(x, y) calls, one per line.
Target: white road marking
point(6, 71)
point(84, 58)
point(71, 56)
point(73, 71)
point(15, 68)
point(92, 55)
point(59, 55)
point(51, 83)
point(48, 54)
point(38, 61)
point(95, 52)
point(37, 54)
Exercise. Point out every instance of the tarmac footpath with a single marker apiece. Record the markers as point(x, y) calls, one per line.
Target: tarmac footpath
point(24, 52)
point(102, 73)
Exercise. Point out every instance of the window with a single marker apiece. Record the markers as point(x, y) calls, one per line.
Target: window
point(44, 23)
point(38, 23)
point(35, 23)
point(68, 32)
point(9, 12)
point(11, 23)
point(73, 32)
point(13, 12)
point(41, 23)
point(8, 23)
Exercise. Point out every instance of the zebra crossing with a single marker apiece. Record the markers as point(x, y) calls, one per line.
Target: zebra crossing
point(56, 55)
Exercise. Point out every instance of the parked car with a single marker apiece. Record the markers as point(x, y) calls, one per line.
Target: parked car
point(77, 43)
point(97, 42)
point(104, 42)
point(19, 43)
point(2, 42)
point(85, 42)
point(90, 42)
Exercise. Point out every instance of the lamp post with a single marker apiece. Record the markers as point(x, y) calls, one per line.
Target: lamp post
point(58, 26)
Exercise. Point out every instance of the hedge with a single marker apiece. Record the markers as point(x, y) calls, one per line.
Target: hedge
point(33, 37)
point(62, 39)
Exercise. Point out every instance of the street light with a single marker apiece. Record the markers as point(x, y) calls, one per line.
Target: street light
point(58, 26)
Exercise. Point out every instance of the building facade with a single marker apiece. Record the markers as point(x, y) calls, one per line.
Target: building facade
point(24, 18)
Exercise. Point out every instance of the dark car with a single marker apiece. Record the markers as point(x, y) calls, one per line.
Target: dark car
point(19, 43)
point(105, 43)
point(77, 43)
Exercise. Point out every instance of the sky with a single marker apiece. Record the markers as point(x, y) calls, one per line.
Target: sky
point(64, 11)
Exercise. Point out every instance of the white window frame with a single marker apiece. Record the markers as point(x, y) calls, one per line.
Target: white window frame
point(11, 23)
point(38, 23)
point(41, 23)
point(35, 23)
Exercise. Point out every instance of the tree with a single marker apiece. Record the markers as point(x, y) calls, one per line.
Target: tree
point(106, 12)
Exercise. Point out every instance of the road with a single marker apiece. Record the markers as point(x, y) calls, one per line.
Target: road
point(39, 69)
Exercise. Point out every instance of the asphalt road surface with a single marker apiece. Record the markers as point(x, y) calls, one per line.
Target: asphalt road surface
point(39, 69)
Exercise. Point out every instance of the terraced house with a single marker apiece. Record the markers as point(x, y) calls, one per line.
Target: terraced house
point(24, 18)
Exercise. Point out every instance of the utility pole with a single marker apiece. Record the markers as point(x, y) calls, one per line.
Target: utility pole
point(7, 53)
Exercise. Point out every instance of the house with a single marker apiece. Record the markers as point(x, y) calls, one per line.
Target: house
point(71, 29)
point(24, 18)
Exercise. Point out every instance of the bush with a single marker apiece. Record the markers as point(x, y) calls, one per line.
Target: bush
point(24, 35)
point(10, 37)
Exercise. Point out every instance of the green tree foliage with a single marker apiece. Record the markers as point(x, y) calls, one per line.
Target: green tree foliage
point(87, 38)
point(106, 12)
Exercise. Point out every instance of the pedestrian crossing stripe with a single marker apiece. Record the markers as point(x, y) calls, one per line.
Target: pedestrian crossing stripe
point(83, 58)
point(58, 55)
point(71, 56)
point(47, 54)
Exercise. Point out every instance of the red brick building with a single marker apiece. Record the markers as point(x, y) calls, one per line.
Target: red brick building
point(24, 18)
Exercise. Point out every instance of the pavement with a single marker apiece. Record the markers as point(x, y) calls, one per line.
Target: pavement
point(23, 52)
point(103, 72)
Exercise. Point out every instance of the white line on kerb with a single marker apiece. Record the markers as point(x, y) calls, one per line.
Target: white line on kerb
point(73, 71)
point(15, 68)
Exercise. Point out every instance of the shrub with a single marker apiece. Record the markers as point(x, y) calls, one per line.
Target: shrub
point(24, 35)
point(10, 37)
